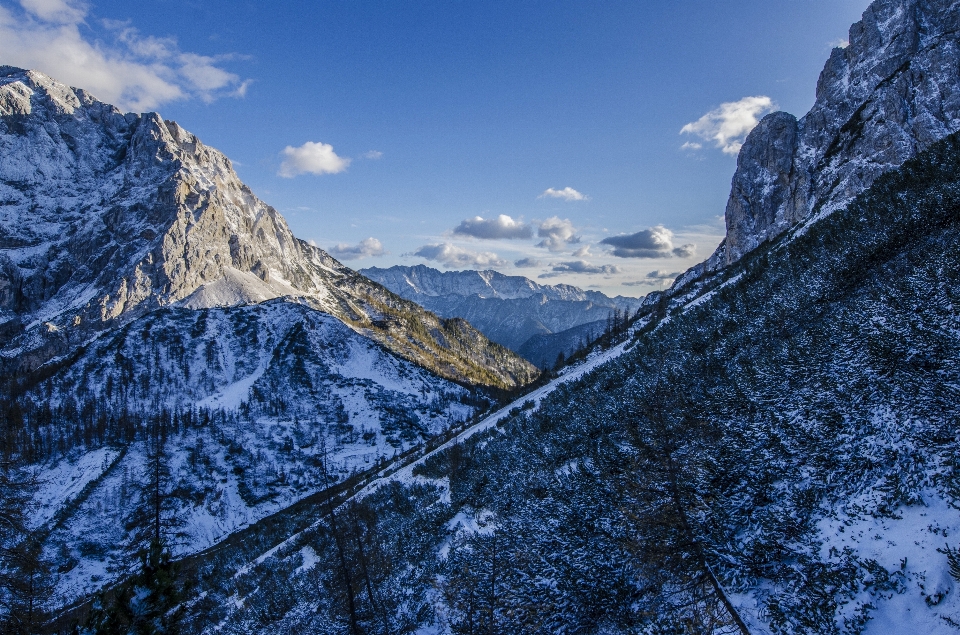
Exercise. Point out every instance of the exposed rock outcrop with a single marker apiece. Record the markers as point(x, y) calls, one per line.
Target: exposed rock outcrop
point(106, 216)
point(888, 95)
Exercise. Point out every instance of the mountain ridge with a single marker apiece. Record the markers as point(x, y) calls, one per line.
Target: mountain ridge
point(106, 216)
point(890, 93)
point(510, 310)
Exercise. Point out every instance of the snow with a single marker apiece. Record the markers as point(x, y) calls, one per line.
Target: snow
point(62, 482)
point(236, 393)
point(904, 543)
point(310, 559)
point(234, 288)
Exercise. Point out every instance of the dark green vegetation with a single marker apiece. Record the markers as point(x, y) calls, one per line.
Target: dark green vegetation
point(694, 467)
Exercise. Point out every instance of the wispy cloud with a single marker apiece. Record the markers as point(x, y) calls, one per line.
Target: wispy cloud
point(454, 256)
point(727, 126)
point(130, 70)
point(493, 228)
point(655, 242)
point(557, 233)
point(654, 278)
point(580, 266)
point(567, 194)
point(312, 157)
point(373, 155)
point(366, 248)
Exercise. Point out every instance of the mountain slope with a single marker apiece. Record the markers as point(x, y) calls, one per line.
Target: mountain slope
point(105, 217)
point(508, 309)
point(258, 406)
point(791, 436)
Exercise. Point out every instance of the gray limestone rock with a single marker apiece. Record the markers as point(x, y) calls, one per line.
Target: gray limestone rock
point(888, 95)
point(105, 217)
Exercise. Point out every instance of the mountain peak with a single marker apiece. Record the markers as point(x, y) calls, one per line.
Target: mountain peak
point(880, 100)
point(105, 217)
point(22, 90)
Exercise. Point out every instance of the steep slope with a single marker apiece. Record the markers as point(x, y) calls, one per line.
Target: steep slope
point(782, 449)
point(105, 217)
point(508, 309)
point(892, 92)
point(257, 407)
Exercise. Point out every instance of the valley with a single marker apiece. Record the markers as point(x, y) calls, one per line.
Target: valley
point(210, 425)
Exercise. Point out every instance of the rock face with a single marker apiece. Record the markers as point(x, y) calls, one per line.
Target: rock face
point(888, 95)
point(105, 217)
point(510, 310)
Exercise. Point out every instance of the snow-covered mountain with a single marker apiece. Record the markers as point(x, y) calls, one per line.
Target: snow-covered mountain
point(106, 216)
point(147, 294)
point(510, 310)
point(260, 405)
point(772, 449)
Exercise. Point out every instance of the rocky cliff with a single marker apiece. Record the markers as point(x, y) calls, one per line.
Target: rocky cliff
point(888, 95)
point(106, 216)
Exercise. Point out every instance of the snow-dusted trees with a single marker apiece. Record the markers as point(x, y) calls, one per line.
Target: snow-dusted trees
point(25, 578)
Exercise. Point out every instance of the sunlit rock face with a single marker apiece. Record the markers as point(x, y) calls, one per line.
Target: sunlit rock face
point(886, 96)
point(106, 216)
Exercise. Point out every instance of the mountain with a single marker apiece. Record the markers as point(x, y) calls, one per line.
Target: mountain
point(510, 310)
point(887, 95)
point(777, 456)
point(106, 216)
point(773, 449)
point(167, 343)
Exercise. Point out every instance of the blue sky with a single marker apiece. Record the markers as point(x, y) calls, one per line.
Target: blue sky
point(382, 130)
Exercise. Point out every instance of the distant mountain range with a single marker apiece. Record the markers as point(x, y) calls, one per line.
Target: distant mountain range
point(537, 321)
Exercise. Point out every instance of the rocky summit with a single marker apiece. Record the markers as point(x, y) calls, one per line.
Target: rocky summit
point(106, 216)
point(887, 95)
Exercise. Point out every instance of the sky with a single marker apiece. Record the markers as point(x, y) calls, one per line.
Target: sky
point(589, 143)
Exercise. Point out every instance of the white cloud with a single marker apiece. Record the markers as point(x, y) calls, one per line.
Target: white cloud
point(557, 233)
point(656, 242)
point(312, 157)
point(366, 248)
point(840, 43)
point(691, 145)
point(583, 252)
point(453, 256)
point(55, 11)
point(567, 194)
point(131, 71)
point(492, 228)
point(372, 154)
point(728, 125)
point(580, 266)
